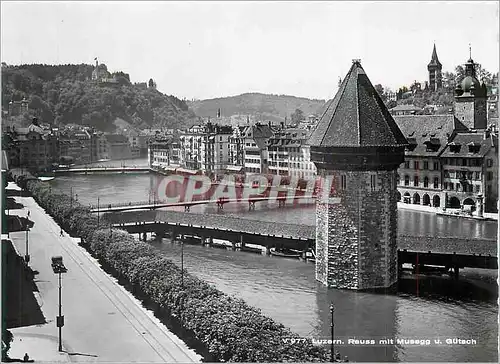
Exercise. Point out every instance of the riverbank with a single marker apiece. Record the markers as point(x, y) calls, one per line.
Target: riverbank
point(449, 212)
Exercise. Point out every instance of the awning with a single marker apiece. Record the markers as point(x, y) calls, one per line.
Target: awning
point(182, 170)
point(234, 168)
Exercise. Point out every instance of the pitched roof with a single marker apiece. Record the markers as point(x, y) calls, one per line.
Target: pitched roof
point(116, 138)
point(419, 129)
point(466, 138)
point(356, 117)
point(405, 108)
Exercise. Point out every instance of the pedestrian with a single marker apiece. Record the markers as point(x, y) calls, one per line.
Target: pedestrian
point(337, 356)
point(26, 357)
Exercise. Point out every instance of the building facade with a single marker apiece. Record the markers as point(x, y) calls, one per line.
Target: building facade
point(289, 154)
point(255, 139)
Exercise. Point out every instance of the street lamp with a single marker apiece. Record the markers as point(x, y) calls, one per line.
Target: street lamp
point(27, 256)
point(59, 268)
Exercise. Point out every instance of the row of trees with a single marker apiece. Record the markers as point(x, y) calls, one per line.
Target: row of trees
point(66, 94)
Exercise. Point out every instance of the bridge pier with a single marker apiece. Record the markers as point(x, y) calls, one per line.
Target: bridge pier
point(251, 205)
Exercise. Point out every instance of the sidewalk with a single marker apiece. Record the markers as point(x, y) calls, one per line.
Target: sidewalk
point(103, 322)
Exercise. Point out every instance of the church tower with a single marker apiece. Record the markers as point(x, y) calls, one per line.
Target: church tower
point(470, 99)
point(434, 67)
point(357, 148)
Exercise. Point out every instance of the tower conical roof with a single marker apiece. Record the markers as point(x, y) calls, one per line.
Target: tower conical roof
point(356, 117)
point(434, 59)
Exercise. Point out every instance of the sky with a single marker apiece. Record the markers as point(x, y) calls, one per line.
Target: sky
point(215, 49)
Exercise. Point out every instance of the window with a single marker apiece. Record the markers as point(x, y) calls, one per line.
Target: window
point(415, 181)
point(343, 182)
point(489, 176)
point(478, 188)
point(436, 182)
point(464, 162)
point(426, 182)
point(397, 179)
point(446, 174)
point(488, 190)
point(490, 163)
point(407, 164)
point(478, 176)
point(426, 165)
point(373, 182)
point(457, 186)
point(407, 180)
point(446, 185)
point(436, 166)
point(415, 165)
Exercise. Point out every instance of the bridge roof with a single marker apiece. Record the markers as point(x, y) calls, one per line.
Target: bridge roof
point(411, 243)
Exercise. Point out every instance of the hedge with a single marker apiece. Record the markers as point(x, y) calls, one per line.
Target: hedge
point(228, 328)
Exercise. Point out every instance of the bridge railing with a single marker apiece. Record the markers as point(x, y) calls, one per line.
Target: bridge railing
point(105, 206)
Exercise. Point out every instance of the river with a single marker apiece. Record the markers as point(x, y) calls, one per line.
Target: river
point(287, 291)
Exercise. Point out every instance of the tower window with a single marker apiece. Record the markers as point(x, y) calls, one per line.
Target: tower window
point(373, 182)
point(343, 182)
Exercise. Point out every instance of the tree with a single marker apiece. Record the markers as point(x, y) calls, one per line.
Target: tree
point(297, 116)
point(459, 74)
point(381, 91)
point(449, 81)
point(483, 75)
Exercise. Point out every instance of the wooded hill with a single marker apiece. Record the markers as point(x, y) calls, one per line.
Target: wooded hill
point(62, 94)
point(262, 106)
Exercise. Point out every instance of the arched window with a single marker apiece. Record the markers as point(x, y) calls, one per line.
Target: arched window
point(407, 180)
point(436, 182)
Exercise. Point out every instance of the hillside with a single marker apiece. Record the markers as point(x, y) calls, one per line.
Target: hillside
point(67, 94)
point(261, 106)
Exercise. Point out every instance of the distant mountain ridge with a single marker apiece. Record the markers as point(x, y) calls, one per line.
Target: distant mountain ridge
point(261, 106)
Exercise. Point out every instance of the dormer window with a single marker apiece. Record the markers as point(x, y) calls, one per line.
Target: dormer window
point(473, 147)
point(432, 145)
point(412, 143)
point(455, 148)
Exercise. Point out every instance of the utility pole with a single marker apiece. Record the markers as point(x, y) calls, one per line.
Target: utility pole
point(27, 256)
point(59, 318)
point(182, 264)
point(332, 354)
point(97, 212)
point(59, 268)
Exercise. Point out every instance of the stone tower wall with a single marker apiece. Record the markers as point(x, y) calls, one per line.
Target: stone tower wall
point(356, 245)
point(471, 112)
